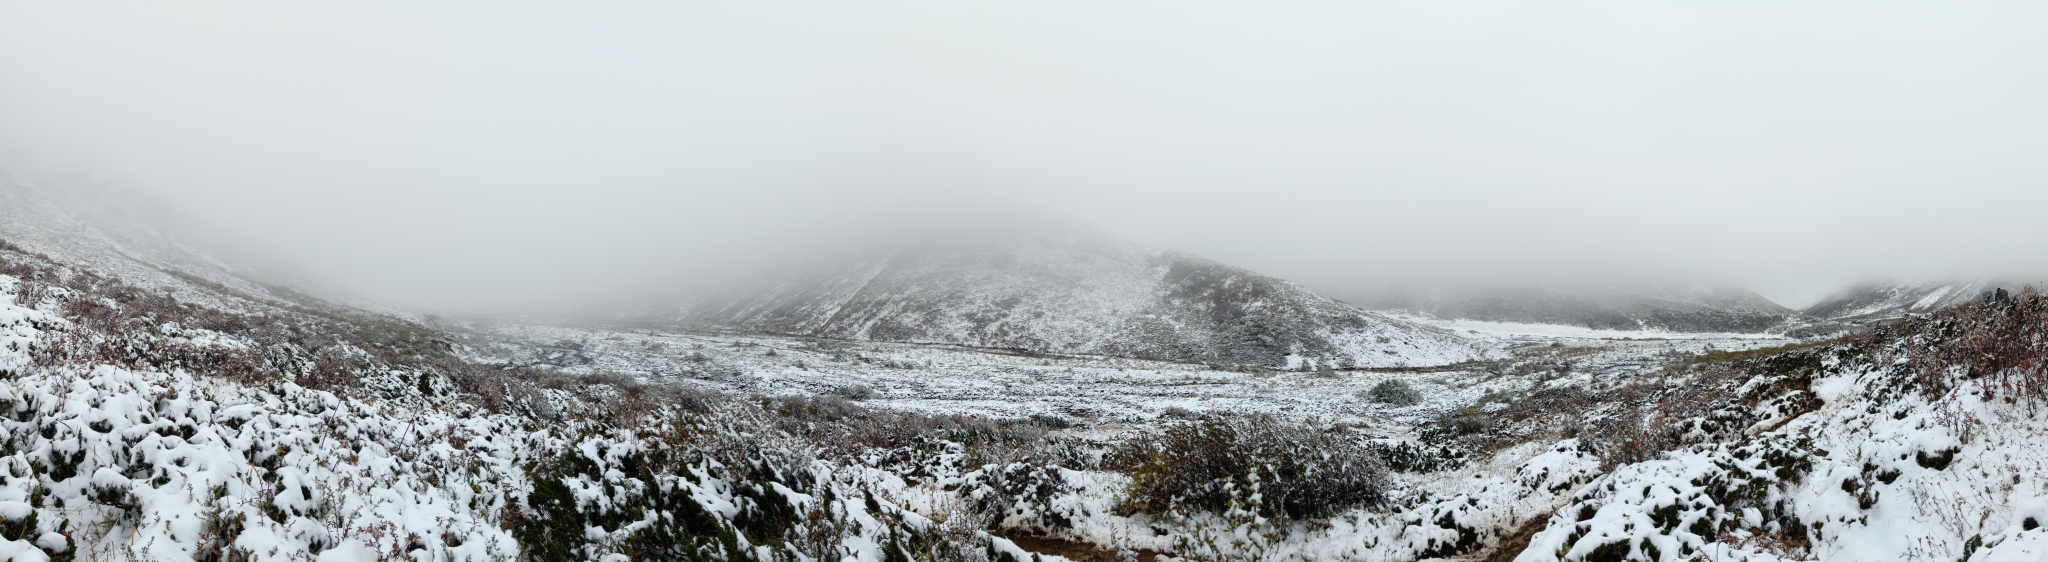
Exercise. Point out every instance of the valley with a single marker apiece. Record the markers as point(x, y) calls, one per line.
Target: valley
point(960, 380)
point(997, 401)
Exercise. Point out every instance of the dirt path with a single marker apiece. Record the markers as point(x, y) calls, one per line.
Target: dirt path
point(1076, 551)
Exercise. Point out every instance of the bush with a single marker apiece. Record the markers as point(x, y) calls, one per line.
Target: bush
point(857, 392)
point(1218, 463)
point(2002, 341)
point(1395, 392)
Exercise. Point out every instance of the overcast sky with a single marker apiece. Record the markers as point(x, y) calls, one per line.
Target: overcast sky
point(469, 156)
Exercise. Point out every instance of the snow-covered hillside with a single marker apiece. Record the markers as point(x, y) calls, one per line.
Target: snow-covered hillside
point(1664, 306)
point(309, 433)
point(1887, 300)
point(192, 420)
point(1918, 441)
point(1865, 305)
point(139, 427)
point(1066, 288)
point(120, 234)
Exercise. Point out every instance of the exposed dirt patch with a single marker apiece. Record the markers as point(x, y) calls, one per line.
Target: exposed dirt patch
point(1076, 551)
point(1515, 543)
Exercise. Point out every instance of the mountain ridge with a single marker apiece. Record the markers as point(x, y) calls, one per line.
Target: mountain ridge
point(1676, 306)
point(1883, 299)
point(1067, 288)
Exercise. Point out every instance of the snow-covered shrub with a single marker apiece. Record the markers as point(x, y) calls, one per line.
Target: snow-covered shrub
point(1673, 508)
point(854, 392)
point(1019, 497)
point(1717, 402)
point(108, 321)
point(1395, 392)
point(1300, 471)
point(1411, 456)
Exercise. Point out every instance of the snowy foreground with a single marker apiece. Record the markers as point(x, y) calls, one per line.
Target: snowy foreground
point(103, 462)
point(133, 437)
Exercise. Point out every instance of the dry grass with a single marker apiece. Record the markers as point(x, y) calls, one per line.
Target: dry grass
point(2002, 343)
point(113, 322)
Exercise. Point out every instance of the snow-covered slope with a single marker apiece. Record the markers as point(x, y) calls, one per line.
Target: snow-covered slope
point(121, 234)
point(1665, 306)
point(1887, 300)
point(1065, 288)
point(1917, 441)
point(130, 436)
point(1865, 305)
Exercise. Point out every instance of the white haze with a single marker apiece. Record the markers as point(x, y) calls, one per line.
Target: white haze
point(481, 156)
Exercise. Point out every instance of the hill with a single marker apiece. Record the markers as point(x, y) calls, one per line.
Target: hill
point(1667, 306)
point(124, 234)
point(1067, 288)
point(1883, 300)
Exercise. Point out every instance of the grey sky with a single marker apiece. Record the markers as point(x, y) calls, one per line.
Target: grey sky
point(479, 155)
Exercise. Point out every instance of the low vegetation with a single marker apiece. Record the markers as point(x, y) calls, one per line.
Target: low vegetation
point(2003, 342)
point(1395, 392)
point(314, 409)
point(1218, 464)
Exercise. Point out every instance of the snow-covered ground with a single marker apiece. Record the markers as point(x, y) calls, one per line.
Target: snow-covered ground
point(104, 462)
point(949, 379)
point(1523, 332)
point(1447, 511)
point(1873, 473)
point(1825, 459)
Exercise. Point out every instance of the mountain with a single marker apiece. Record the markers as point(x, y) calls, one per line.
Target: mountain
point(125, 234)
point(1887, 300)
point(1664, 305)
point(1856, 308)
point(1061, 287)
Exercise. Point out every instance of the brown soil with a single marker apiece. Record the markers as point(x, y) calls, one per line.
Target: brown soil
point(1513, 545)
point(1076, 551)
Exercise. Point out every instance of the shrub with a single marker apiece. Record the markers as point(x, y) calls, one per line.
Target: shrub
point(1624, 442)
point(857, 392)
point(1395, 392)
point(2003, 341)
point(1020, 496)
point(1403, 456)
point(1210, 464)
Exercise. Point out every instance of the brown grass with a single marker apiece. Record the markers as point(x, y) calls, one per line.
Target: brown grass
point(2003, 343)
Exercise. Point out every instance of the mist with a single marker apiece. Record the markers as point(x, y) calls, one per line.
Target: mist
point(479, 157)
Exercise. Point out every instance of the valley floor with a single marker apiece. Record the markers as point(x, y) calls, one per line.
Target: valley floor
point(952, 379)
point(1487, 496)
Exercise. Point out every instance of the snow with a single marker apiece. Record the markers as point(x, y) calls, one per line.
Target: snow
point(952, 379)
point(1071, 290)
point(1928, 302)
point(1484, 500)
point(1525, 331)
point(118, 463)
point(1862, 482)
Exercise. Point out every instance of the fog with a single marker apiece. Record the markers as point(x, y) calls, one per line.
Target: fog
point(490, 156)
